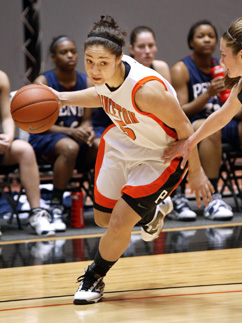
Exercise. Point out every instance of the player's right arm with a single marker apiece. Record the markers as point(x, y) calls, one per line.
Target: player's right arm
point(84, 98)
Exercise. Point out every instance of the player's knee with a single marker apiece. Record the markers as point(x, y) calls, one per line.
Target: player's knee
point(67, 148)
point(118, 226)
point(72, 150)
point(24, 151)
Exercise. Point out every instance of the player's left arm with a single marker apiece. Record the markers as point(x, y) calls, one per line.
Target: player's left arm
point(153, 98)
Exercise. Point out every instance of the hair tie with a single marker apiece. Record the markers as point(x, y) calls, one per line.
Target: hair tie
point(234, 39)
point(106, 37)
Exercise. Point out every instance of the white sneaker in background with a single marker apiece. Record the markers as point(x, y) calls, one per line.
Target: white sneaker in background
point(181, 210)
point(57, 223)
point(39, 220)
point(218, 209)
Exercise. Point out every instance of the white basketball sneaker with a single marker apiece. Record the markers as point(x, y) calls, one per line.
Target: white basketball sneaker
point(91, 288)
point(152, 230)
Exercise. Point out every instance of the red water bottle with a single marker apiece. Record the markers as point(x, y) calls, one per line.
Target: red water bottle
point(77, 212)
point(217, 70)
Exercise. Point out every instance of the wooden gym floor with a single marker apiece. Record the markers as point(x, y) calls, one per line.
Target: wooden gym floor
point(188, 275)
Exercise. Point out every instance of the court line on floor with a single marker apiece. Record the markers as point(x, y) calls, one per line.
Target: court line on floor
point(128, 298)
point(123, 299)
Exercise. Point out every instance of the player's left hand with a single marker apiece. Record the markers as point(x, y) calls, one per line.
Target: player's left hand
point(200, 186)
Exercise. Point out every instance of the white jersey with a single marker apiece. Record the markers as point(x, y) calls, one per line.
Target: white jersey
point(129, 156)
point(144, 129)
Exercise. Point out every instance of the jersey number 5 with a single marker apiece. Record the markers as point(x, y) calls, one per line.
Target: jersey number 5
point(128, 132)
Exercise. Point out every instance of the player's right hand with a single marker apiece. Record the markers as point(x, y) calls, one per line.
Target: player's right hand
point(56, 93)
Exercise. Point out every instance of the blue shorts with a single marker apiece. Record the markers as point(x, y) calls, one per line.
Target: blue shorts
point(5, 169)
point(99, 131)
point(230, 134)
point(44, 146)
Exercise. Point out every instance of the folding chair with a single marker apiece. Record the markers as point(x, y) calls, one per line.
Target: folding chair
point(231, 173)
point(9, 177)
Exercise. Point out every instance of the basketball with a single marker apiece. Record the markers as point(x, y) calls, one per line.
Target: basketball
point(34, 108)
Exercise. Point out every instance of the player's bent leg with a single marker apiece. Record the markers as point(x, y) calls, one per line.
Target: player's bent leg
point(122, 221)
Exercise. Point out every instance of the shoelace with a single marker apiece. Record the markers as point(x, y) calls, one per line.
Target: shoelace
point(88, 280)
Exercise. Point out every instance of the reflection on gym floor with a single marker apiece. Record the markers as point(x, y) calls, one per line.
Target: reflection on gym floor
point(72, 250)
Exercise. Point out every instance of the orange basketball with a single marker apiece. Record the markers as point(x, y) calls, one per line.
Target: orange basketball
point(34, 108)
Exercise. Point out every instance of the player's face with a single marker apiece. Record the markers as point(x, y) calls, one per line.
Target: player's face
point(233, 63)
point(144, 48)
point(65, 56)
point(204, 40)
point(100, 65)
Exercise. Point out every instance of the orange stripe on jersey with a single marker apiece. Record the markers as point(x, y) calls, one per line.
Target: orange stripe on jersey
point(99, 198)
point(103, 200)
point(167, 129)
point(145, 190)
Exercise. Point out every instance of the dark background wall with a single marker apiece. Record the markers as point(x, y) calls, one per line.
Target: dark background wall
point(170, 19)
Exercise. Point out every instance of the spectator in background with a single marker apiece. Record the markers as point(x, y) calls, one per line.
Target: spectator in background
point(143, 49)
point(70, 143)
point(198, 94)
point(19, 153)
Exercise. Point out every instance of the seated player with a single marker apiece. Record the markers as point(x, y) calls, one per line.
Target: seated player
point(69, 144)
point(19, 153)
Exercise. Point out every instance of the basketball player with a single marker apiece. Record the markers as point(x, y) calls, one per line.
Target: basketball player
point(19, 153)
point(70, 143)
point(143, 49)
point(231, 57)
point(132, 185)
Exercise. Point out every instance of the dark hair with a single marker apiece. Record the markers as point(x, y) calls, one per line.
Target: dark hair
point(195, 26)
point(233, 38)
point(56, 41)
point(107, 33)
point(138, 30)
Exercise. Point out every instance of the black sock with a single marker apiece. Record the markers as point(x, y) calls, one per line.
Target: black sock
point(57, 196)
point(101, 266)
point(214, 182)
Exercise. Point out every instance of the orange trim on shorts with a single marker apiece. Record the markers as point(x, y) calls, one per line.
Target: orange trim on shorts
point(167, 129)
point(99, 198)
point(144, 190)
